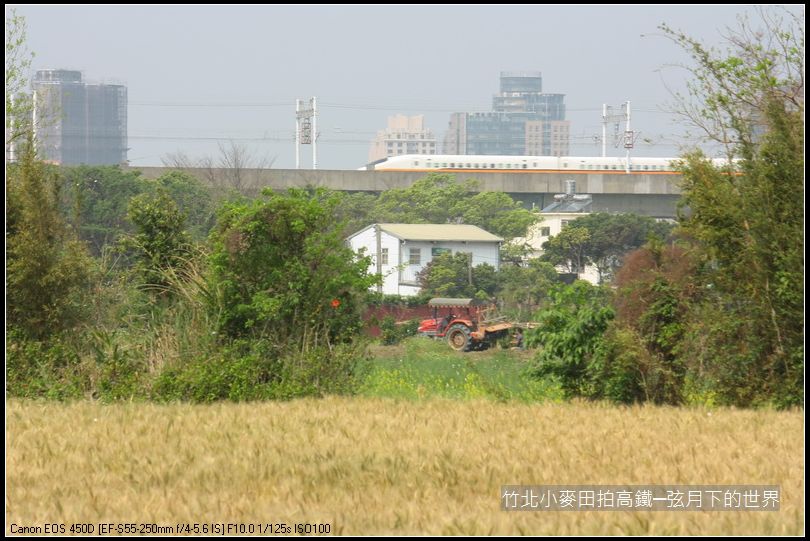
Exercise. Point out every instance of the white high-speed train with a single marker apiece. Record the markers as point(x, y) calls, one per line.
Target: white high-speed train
point(526, 164)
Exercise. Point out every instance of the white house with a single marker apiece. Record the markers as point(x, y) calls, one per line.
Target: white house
point(550, 226)
point(565, 209)
point(400, 251)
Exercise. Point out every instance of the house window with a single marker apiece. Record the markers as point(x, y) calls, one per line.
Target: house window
point(415, 257)
point(564, 223)
point(545, 231)
point(384, 258)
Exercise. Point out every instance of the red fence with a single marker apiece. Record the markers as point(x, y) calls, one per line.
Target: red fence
point(375, 315)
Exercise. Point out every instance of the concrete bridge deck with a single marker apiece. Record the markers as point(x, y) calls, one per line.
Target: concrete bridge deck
point(648, 194)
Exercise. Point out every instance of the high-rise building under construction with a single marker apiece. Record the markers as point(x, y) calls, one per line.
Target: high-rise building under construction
point(77, 122)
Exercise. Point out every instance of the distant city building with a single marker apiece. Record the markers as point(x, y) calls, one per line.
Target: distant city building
point(78, 122)
point(404, 135)
point(548, 137)
point(523, 121)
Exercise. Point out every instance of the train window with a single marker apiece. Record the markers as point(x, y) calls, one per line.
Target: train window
point(524, 166)
point(535, 165)
point(565, 165)
point(452, 165)
point(476, 166)
point(492, 166)
point(416, 163)
point(646, 167)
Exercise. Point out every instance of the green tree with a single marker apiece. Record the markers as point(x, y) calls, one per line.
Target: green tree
point(284, 272)
point(48, 271)
point(568, 248)
point(160, 241)
point(612, 236)
point(356, 210)
point(522, 290)
point(430, 200)
point(602, 240)
point(439, 198)
point(18, 62)
point(642, 358)
point(192, 198)
point(97, 198)
point(497, 213)
point(749, 222)
point(452, 275)
point(569, 335)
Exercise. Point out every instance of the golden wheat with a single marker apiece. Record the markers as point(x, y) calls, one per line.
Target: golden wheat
point(375, 466)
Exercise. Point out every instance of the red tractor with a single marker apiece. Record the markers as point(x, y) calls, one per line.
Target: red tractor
point(467, 325)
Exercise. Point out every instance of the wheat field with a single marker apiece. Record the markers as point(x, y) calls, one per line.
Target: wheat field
point(380, 466)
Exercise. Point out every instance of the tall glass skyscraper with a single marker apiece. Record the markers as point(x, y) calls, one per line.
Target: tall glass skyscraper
point(523, 121)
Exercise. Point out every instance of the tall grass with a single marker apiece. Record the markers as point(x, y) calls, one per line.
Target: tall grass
point(382, 466)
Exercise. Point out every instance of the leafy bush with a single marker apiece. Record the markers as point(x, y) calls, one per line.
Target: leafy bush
point(393, 333)
point(253, 370)
point(284, 273)
point(569, 334)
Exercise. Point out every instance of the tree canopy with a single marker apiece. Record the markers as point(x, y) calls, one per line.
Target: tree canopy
point(749, 223)
point(439, 198)
point(602, 240)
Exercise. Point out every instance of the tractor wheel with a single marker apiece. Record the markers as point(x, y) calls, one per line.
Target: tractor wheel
point(458, 336)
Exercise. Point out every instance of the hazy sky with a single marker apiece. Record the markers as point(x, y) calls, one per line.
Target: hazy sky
point(198, 74)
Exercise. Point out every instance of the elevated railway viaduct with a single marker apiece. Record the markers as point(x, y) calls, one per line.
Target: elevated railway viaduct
point(649, 194)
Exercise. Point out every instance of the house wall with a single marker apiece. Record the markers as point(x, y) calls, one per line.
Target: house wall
point(550, 226)
point(399, 276)
point(483, 252)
